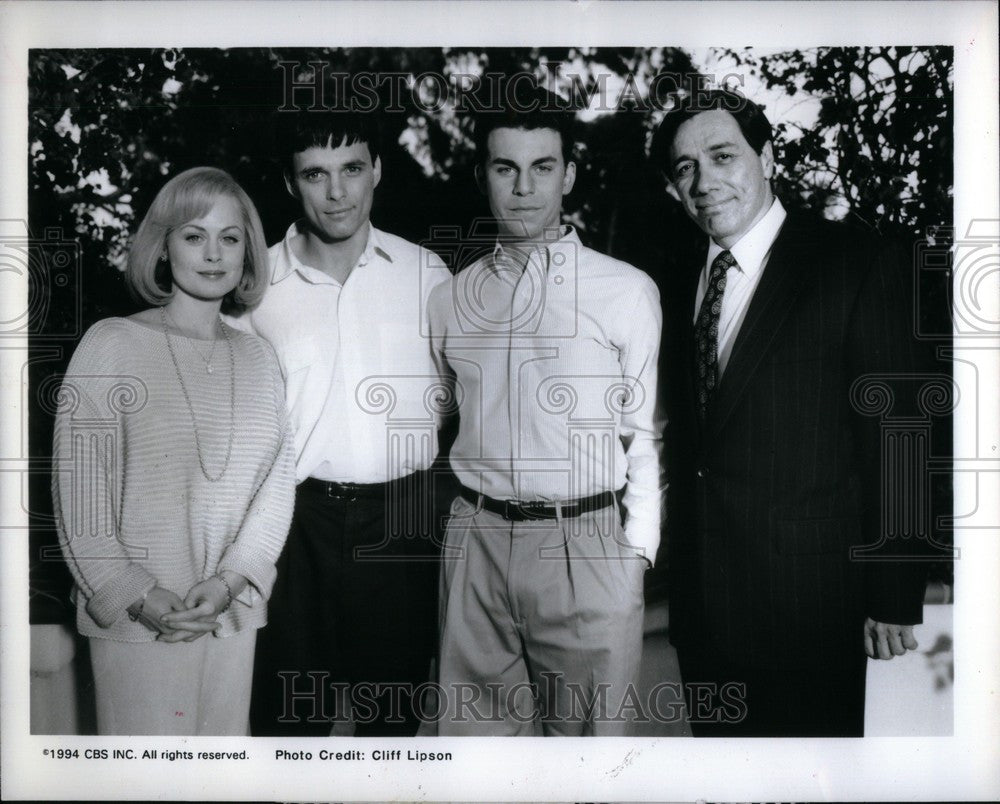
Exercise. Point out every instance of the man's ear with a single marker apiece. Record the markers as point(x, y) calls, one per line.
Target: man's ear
point(377, 171)
point(569, 179)
point(767, 160)
point(480, 178)
point(290, 185)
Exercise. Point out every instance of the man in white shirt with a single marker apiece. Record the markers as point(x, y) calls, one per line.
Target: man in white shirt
point(780, 578)
point(351, 623)
point(553, 350)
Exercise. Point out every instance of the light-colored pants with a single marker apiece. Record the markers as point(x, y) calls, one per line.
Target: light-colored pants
point(541, 625)
point(182, 688)
point(55, 699)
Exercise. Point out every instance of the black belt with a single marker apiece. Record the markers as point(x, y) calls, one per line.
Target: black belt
point(345, 491)
point(517, 511)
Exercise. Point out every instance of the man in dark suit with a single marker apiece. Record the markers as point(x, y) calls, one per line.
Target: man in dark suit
point(774, 473)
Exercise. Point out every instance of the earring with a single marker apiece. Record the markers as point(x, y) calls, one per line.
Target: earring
point(163, 257)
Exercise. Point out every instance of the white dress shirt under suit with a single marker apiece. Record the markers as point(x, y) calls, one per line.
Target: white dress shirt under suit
point(750, 252)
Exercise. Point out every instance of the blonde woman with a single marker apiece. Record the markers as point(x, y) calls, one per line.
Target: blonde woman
point(174, 480)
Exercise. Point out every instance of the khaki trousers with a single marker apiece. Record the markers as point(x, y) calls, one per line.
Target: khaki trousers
point(541, 625)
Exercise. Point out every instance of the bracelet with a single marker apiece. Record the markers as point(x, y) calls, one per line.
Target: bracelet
point(135, 617)
point(229, 593)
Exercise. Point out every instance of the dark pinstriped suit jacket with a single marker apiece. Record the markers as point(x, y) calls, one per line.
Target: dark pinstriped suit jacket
point(767, 499)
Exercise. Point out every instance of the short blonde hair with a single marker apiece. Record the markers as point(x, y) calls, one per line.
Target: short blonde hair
point(187, 197)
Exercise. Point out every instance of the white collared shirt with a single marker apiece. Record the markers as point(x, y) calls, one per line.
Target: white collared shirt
point(542, 356)
point(355, 358)
point(751, 253)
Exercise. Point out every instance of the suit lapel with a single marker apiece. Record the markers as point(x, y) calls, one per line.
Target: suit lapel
point(773, 300)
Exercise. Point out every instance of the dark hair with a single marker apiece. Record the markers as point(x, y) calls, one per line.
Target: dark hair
point(301, 130)
point(519, 102)
point(748, 115)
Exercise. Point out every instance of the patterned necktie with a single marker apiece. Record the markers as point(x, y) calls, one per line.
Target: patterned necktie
point(706, 332)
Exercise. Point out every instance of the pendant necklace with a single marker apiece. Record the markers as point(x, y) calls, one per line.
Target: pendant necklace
point(206, 360)
point(187, 398)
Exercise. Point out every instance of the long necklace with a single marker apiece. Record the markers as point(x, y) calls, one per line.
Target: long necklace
point(187, 398)
point(206, 360)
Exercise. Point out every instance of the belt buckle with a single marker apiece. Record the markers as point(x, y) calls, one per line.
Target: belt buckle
point(517, 511)
point(530, 511)
point(341, 491)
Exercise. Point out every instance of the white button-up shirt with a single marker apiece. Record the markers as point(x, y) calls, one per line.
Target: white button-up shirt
point(555, 378)
point(750, 252)
point(358, 369)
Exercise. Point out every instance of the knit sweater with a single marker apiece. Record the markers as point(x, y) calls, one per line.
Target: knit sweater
point(133, 507)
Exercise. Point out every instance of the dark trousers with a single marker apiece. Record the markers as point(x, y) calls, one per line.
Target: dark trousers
point(353, 615)
point(821, 699)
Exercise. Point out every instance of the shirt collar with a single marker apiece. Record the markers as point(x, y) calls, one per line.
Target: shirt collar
point(751, 250)
point(287, 263)
point(567, 241)
point(375, 247)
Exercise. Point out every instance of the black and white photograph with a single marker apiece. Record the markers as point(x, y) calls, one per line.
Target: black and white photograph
point(378, 376)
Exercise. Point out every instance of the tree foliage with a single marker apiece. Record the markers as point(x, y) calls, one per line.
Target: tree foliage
point(880, 149)
point(108, 127)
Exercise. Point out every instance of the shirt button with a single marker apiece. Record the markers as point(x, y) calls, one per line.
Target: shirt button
point(702, 472)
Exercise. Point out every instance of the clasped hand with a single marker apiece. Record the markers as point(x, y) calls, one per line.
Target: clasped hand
point(185, 620)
